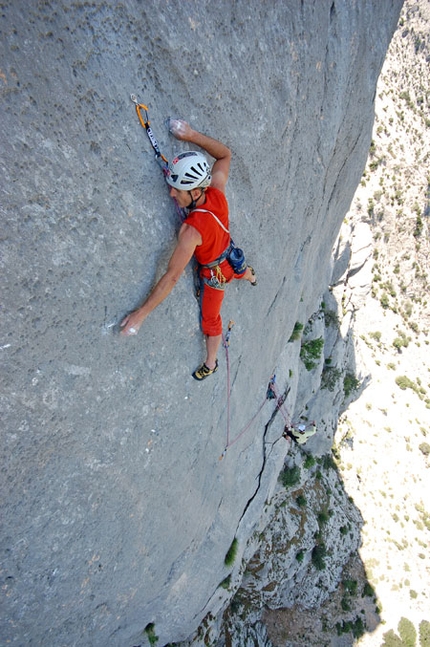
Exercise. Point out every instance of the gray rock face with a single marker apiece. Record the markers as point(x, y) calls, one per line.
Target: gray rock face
point(117, 510)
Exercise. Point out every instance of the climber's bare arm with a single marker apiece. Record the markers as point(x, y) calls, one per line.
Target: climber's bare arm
point(188, 239)
point(222, 154)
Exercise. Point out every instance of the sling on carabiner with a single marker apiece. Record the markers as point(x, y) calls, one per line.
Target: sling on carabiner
point(163, 162)
point(145, 123)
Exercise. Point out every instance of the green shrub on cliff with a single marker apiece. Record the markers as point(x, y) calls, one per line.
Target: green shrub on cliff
point(290, 476)
point(231, 553)
point(310, 352)
point(150, 632)
point(318, 556)
point(297, 332)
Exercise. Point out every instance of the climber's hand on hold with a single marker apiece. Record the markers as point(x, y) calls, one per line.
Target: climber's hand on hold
point(180, 129)
point(131, 323)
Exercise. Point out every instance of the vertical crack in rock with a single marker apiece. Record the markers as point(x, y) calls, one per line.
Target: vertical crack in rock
point(279, 404)
point(275, 298)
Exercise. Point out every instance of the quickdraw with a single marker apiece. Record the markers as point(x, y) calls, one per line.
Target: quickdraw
point(271, 394)
point(228, 333)
point(161, 159)
point(146, 124)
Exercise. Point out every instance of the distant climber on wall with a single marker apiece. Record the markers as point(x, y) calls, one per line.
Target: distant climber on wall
point(204, 234)
point(300, 433)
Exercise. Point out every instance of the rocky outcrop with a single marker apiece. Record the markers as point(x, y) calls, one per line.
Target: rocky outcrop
point(118, 513)
point(309, 527)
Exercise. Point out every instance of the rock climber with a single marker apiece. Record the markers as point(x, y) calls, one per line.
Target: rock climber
point(300, 433)
point(204, 235)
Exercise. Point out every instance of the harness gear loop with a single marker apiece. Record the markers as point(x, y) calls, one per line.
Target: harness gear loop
point(217, 279)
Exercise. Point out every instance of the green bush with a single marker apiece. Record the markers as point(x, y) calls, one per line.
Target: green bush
point(318, 556)
point(357, 627)
point(424, 630)
point(331, 318)
point(391, 640)
point(328, 462)
point(407, 635)
point(402, 341)
point(323, 517)
point(384, 300)
point(310, 352)
point(368, 591)
point(345, 604)
point(226, 582)
point(404, 382)
point(150, 632)
point(350, 586)
point(290, 476)
point(350, 384)
point(329, 377)
point(425, 448)
point(376, 335)
point(407, 632)
point(297, 331)
point(309, 461)
point(418, 227)
point(231, 553)
point(300, 556)
point(301, 501)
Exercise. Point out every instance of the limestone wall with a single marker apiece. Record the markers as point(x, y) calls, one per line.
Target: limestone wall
point(117, 510)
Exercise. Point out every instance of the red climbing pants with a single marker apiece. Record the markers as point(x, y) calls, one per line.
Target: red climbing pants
point(211, 300)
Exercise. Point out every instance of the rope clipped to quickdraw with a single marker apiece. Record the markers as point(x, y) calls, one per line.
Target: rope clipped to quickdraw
point(226, 339)
point(300, 432)
point(271, 394)
point(142, 113)
point(280, 399)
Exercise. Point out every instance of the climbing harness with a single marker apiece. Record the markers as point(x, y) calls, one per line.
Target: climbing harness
point(233, 254)
point(160, 158)
point(217, 279)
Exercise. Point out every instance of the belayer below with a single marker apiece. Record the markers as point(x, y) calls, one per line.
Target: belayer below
point(204, 235)
point(300, 433)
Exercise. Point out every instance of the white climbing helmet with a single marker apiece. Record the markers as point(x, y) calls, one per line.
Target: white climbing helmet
point(189, 171)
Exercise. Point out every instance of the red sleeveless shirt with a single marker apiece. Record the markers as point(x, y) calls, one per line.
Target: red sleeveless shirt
point(214, 239)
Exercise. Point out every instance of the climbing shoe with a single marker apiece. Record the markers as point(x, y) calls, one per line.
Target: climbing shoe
point(203, 371)
point(253, 274)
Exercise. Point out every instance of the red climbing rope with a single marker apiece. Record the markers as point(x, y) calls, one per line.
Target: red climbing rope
point(279, 401)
